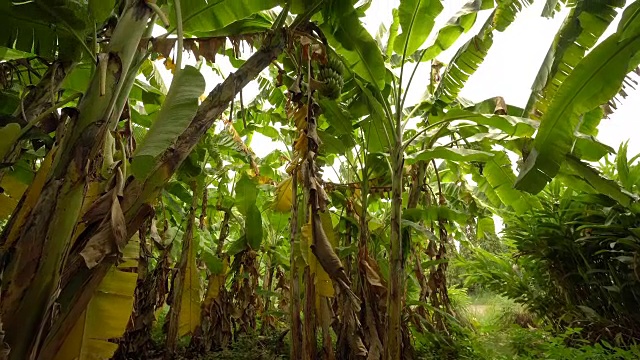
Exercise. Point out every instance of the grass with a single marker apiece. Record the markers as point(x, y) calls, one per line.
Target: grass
point(494, 319)
point(505, 330)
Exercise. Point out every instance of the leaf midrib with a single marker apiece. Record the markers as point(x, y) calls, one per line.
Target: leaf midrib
point(582, 86)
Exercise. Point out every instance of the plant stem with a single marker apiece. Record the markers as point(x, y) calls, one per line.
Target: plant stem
point(45, 113)
point(180, 281)
point(156, 9)
point(180, 48)
point(296, 336)
point(393, 346)
point(42, 247)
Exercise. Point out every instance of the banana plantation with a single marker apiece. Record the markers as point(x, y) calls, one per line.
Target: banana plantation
point(270, 179)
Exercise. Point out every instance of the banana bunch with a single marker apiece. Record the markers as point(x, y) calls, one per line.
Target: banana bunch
point(331, 77)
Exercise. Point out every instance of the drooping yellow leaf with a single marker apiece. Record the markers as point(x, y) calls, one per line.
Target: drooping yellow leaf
point(184, 314)
point(190, 305)
point(302, 144)
point(300, 117)
point(13, 187)
point(324, 282)
point(107, 313)
point(12, 191)
point(324, 285)
point(9, 135)
point(306, 235)
point(283, 200)
point(213, 289)
point(7, 204)
point(214, 284)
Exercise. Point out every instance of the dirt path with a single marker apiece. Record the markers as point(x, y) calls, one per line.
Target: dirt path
point(478, 310)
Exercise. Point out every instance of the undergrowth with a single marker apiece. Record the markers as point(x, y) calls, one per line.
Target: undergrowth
point(486, 327)
point(502, 329)
point(251, 347)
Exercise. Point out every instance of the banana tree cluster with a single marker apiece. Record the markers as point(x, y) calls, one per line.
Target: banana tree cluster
point(124, 198)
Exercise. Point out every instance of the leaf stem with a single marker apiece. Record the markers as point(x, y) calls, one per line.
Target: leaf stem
point(408, 142)
point(413, 73)
point(180, 47)
point(46, 113)
point(156, 9)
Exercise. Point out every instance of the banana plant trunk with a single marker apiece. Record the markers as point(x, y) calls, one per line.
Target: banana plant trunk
point(180, 280)
point(213, 332)
point(396, 272)
point(41, 241)
point(267, 322)
point(137, 337)
point(309, 344)
point(296, 324)
point(372, 317)
point(79, 282)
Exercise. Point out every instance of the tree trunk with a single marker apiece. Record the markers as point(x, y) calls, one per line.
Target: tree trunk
point(372, 317)
point(42, 240)
point(267, 319)
point(296, 335)
point(135, 340)
point(309, 344)
point(180, 279)
point(78, 281)
point(396, 271)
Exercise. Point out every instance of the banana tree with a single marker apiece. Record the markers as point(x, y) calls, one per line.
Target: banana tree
point(385, 102)
point(56, 202)
point(382, 131)
point(81, 184)
point(383, 92)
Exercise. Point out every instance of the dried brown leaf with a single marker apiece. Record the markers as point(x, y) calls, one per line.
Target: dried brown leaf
point(501, 106)
point(190, 45)
point(99, 209)
point(118, 223)
point(4, 347)
point(373, 275)
point(323, 197)
point(163, 46)
point(99, 246)
point(155, 236)
point(323, 251)
point(326, 315)
point(210, 47)
point(235, 43)
point(354, 328)
point(318, 53)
